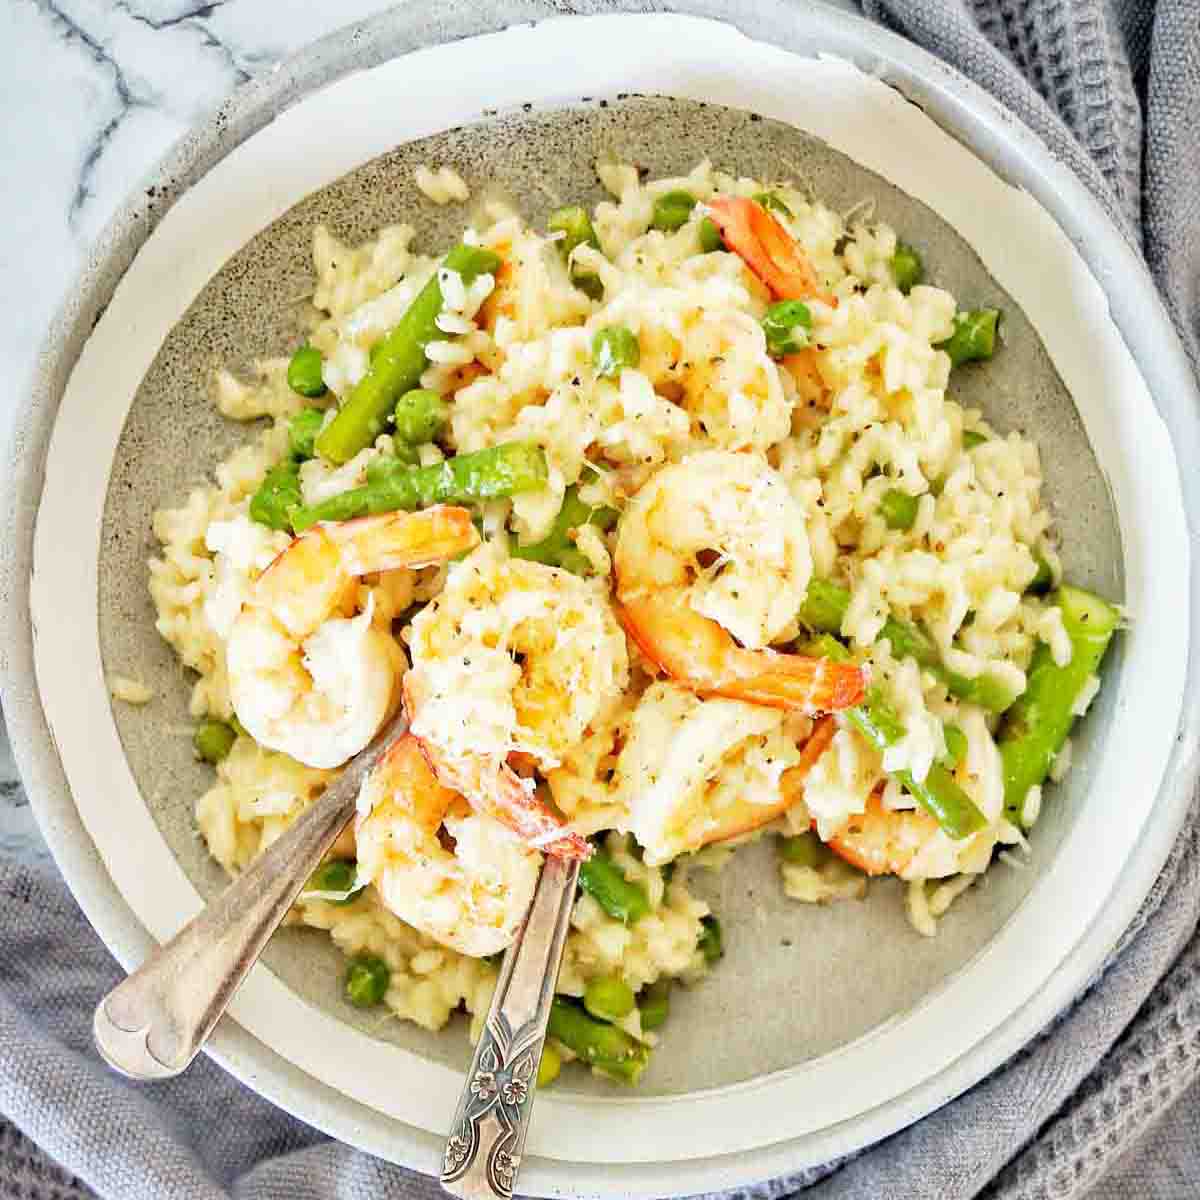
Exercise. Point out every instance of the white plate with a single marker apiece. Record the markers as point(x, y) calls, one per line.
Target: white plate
point(585, 1144)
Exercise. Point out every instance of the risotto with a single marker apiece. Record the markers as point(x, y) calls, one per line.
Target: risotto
point(663, 525)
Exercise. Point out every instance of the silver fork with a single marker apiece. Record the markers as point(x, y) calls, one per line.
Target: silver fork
point(487, 1136)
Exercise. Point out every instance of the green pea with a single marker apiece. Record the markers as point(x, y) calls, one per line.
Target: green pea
point(974, 336)
point(213, 740)
point(420, 416)
point(899, 509)
point(972, 438)
point(367, 980)
point(956, 745)
point(335, 882)
point(772, 203)
point(575, 223)
point(824, 607)
point(787, 324)
point(804, 850)
point(710, 236)
point(549, 1066)
point(907, 268)
point(304, 372)
point(672, 210)
point(614, 348)
point(302, 432)
point(711, 944)
point(278, 496)
point(609, 999)
point(655, 1004)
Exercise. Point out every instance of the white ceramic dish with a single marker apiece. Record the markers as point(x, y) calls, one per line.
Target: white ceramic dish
point(685, 1137)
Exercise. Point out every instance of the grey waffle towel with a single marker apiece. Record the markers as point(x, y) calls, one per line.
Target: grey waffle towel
point(1113, 87)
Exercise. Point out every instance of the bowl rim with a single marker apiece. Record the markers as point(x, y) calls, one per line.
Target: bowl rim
point(956, 105)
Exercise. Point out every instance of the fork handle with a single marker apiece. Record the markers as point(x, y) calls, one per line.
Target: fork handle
point(153, 1024)
point(487, 1135)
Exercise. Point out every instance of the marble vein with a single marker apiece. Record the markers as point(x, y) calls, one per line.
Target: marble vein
point(73, 31)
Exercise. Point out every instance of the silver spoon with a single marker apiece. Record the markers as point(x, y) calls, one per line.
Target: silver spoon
point(153, 1024)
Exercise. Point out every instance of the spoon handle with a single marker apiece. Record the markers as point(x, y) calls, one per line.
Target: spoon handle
point(487, 1136)
point(152, 1025)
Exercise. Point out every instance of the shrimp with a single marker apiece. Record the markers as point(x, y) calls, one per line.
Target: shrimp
point(767, 249)
point(512, 656)
point(909, 843)
point(307, 678)
point(685, 614)
point(695, 772)
point(453, 873)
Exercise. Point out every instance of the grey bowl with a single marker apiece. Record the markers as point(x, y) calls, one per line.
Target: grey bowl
point(239, 309)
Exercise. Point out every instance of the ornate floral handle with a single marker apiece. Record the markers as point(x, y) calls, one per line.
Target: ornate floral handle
point(487, 1137)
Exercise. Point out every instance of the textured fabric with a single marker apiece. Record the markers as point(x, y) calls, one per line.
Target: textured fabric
point(1104, 1100)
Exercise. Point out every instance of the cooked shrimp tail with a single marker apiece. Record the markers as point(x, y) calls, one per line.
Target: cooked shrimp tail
point(880, 841)
point(767, 249)
point(497, 790)
point(307, 581)
point(704, 657)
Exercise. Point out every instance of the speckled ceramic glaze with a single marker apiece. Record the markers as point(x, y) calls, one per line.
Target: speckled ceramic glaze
point(872, 967)
point(798, 983)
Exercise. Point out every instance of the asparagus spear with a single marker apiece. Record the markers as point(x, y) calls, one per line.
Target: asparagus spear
point(497, 471)
point(603, 880)
point(557, 549)
point(397, 364)
point(825, 607)
point(601, 1045)
point(577, 227)
point(1038, 723)
point(609, 998)
point(937, 793)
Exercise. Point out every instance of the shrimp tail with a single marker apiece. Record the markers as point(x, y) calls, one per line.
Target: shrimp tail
point(389, 541)
point(881, 841)
point(495, 789)
point(767, 249)
point(791, 783)
point(699, 654)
